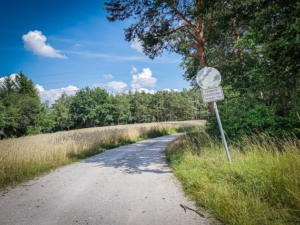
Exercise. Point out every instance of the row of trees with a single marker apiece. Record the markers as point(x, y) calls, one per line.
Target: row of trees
point(22, 112)
point(96, 107)
point(255, 44)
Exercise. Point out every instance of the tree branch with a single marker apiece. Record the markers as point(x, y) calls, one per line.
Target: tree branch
point(184, 18)
point(193, 56)
point(193, 46)
point(173, 31)
point(193, 36)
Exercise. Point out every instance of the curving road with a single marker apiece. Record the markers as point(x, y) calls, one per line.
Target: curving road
point(127, 185)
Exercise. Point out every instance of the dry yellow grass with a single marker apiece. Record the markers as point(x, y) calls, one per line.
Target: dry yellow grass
point(24, 158)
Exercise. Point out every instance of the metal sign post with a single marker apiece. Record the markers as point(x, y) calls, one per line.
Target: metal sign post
point(209, 79)
point(222, 132)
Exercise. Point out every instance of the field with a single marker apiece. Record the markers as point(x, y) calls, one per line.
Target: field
point(24, 158)
point(260, 186)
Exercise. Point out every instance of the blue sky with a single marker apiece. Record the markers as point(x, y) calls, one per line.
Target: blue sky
point(67, 45)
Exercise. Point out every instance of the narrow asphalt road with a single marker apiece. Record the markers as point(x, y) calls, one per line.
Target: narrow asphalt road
point(127, 185)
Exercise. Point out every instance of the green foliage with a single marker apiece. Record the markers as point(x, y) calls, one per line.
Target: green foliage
point(60, 112)
point(259, 62)
point(22, 107)
point(90, 108)
point(48, 121)
point(158, 24)
point(246, 114)
point(122, 112)
point(22, 113)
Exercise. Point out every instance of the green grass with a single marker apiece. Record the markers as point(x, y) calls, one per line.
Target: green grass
point(260, 186)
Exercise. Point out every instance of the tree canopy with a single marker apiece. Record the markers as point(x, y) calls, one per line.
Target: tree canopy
point(255, 44)
point(174, 26)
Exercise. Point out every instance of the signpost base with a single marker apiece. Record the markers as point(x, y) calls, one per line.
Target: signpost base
point(222, 132)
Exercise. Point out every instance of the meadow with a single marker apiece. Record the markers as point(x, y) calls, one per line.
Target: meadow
point(24, 158)
point(260, 186)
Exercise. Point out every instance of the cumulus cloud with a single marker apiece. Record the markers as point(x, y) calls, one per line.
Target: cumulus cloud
point(12, 76)
point(137, 45)
point(35, 41)
point(108, 76)
point(117, 85)
point(53, 94)
point(143, 79)
point(147, 91)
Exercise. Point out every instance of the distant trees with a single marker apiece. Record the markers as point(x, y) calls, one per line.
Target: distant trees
point(95, 107)
point(22, 113)
point(122, 112)
point(91, 107)
point(20, 107)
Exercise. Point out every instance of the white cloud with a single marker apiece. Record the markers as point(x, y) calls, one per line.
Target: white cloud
point(12, 76)
point(147, 91)
point(35, 41)
point(117, 85)
point(99, 85)
point(133, 71)
point(53, 94)
point(169, 90)
point(143, 79)
point(39, 88)
point(108, 76)
point(137, 45)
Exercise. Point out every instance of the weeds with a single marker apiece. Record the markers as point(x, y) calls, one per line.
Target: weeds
point(260, 186)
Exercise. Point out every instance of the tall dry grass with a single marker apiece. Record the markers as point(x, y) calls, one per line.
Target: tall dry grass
point(24, 158)
point(260, 186)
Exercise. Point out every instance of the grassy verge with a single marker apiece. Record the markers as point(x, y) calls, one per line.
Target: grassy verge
point(260, 186)
point(22, 159)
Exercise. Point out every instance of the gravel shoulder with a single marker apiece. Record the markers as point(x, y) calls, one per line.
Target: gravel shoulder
point(127, 185)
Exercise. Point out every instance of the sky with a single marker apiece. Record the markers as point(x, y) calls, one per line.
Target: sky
point(64, 46)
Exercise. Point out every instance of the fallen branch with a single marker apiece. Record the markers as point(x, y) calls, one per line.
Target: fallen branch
point(186, 207)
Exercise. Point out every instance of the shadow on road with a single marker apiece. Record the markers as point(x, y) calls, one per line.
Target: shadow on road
point(142, 157)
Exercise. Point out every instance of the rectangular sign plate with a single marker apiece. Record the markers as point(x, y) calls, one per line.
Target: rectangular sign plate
point(212, 94)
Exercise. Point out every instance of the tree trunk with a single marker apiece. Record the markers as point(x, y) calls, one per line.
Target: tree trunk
point(284, 106)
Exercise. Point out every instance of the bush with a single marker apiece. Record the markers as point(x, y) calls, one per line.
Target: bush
point(246, 114)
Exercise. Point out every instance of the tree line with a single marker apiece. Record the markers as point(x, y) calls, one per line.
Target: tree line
point(255, 44)
point(23, 113)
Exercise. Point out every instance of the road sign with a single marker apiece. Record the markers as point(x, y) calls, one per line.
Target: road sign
point(212, 94)
point(208, 77)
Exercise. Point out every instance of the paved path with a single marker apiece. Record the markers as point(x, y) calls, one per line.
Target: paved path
point(127, 185)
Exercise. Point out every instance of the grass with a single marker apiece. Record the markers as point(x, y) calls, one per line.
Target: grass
point(22, 159)
point(260, 186)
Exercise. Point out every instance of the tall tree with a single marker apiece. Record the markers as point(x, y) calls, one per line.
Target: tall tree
point(122, 111)
point(91, 107)
point(175, 26)
point(61, 113)
point(183, 27)
point(22, 106)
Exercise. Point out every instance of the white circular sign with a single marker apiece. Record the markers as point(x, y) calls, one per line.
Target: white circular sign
point(208, 77)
